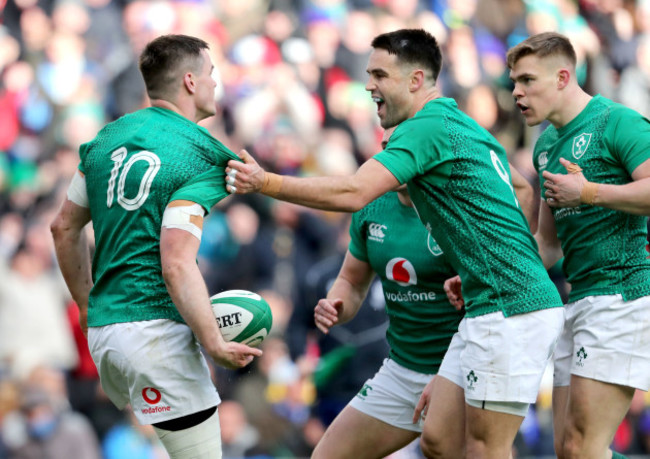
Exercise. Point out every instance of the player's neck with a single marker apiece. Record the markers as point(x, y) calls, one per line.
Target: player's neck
point(426, 96)
point(573, 105)
point(162, 103)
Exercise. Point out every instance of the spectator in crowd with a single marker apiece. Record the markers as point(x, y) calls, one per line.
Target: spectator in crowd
point(50, 430)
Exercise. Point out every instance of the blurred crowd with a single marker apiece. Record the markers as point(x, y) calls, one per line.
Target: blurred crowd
point(291, 90)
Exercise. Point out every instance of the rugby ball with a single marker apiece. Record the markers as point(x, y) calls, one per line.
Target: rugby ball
point(243, 316)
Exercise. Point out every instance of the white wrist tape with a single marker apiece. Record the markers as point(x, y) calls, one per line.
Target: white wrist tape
point(77, 192)
point(180, 217)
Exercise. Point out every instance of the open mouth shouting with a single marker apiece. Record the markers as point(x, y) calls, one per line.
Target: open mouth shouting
point(380, 104)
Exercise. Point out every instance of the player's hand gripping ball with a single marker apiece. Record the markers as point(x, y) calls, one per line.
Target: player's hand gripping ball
point(243, 316)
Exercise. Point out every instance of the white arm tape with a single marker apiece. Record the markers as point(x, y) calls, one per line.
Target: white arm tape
point(77, 192)
point(180, 217)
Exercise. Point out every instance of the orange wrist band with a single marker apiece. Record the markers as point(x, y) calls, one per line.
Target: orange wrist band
point(589, 193)
point(272, 184)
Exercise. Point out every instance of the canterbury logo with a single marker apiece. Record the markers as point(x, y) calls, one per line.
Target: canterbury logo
point(151, 395)
point(542, 160)
point(376, 231)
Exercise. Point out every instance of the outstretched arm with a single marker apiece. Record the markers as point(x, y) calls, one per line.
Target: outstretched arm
point(573, 189)
point(346, 294)
point(340, 193)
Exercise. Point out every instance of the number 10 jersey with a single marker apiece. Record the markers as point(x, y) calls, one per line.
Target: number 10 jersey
point(134, 167)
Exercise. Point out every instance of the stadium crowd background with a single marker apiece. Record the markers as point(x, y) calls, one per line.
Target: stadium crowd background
point(292, 76)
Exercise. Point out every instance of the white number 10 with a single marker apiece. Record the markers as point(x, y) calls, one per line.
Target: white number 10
point(118, 157)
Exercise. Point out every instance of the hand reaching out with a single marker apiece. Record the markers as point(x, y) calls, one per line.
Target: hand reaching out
point(244, 177)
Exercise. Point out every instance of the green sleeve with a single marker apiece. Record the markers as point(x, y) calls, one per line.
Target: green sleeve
point(629, 138)
point(222, 153)
point(205, 189)
point(208, 188)
point(357, 245)
point(418, 146)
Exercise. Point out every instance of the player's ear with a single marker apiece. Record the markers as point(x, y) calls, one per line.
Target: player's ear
point(188, 82)
point(417, 80)
point(563, 78)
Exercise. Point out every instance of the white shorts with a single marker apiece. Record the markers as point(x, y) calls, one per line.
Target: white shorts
point(502, 359)
point(392, 394)
point(606, 339)
point(154, 365)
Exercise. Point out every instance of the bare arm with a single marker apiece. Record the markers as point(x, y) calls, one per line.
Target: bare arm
point(178, 251)
point(546, 237)
point(526, 197)
point(73, 254)
point(567, 190)
point(340, 193)
point(346, 294)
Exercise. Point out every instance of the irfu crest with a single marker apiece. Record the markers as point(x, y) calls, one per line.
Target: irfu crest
point(580, 144)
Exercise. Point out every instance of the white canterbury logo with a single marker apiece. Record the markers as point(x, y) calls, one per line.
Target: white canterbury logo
point(376, 231)
point(543, 160)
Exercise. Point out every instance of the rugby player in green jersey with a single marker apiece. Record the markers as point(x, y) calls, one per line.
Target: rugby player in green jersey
point(147, 180)
point(460, 184)
point(593, 162)
point(388, 239)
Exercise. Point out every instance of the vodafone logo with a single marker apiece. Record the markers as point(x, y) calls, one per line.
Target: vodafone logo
point(401, 270)
point(151, 395)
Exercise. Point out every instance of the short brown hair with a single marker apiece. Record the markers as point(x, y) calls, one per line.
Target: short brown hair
point(542, 45)
point(412, 46)
point(166, 58)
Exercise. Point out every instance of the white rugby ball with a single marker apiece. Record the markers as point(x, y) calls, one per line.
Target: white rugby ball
point(243, 316)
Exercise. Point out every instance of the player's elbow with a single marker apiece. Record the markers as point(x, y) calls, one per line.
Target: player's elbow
point(354, 204)
point(355, 199)
point(173, 270)
point(59, 228)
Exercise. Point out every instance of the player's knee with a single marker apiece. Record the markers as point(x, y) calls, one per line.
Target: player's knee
point(434, 446)
point(571, 445)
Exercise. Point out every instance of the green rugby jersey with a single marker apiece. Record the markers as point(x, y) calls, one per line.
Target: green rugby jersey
point(389, 236)
point(459, 180)
point(134, 167)
point(604, 249)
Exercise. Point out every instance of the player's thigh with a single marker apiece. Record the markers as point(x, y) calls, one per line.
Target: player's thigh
point(444, 424)
point(490, 433)
point(354, 434)
point(595, 410)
